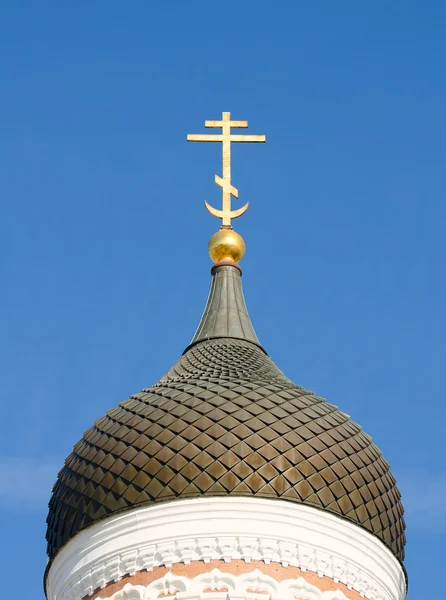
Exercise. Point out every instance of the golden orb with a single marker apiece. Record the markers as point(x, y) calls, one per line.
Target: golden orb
point(226, 244)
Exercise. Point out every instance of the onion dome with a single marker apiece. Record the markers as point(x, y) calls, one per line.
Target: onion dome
point(225, 421)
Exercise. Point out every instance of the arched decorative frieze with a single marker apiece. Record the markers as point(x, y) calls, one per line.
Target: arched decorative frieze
point(216, 585)
point(227, 529)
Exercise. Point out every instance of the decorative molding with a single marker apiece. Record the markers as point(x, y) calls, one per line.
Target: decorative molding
point(205, 529)
point(216, 585)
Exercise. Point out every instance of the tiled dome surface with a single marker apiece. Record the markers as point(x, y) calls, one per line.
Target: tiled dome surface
point(226, 421)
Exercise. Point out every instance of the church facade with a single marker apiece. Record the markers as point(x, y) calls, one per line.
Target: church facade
point(225, 480)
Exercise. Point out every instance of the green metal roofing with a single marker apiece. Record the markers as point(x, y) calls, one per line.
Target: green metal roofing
point(225, 315)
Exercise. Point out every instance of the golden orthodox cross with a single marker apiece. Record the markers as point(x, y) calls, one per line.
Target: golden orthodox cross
point(226, 137)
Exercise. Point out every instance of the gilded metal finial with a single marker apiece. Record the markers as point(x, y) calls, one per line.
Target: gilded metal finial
point(226, 137)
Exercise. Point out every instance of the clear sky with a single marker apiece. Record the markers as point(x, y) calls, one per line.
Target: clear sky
point(103, 232)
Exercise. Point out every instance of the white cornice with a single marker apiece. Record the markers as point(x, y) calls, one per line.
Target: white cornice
point(225, 529)
point(225, 586)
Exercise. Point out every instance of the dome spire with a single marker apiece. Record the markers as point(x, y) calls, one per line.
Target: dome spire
point(226, 244)
point(225, 314)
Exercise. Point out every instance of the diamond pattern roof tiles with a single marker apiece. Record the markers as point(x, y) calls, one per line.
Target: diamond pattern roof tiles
point(218, 426)
point(225, 421)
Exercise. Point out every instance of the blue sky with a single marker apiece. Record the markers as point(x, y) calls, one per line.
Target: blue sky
point(103, 232)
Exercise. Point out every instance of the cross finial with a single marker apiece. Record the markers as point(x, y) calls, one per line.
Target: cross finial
point(226, 137)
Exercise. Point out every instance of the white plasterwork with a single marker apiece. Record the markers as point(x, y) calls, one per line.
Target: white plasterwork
point(216, 585)
point(226, 529)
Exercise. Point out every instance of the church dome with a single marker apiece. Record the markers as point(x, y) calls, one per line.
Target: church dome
point(225, 421)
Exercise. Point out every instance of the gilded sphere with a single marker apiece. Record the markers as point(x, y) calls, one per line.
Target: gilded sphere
point(226, 244)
